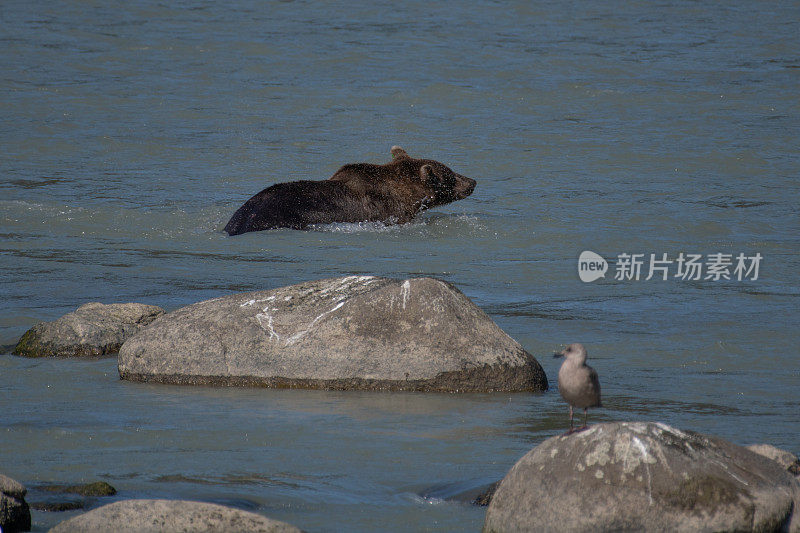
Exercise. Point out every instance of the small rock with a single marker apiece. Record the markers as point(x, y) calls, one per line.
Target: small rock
point(57, 507)
point(485, 497)
point(58, 498)
point(164, 515)
point(356, 332)
point(787, 460)
point(470, 492)
point(637, 476)
point(15, 515)
point(92, 330)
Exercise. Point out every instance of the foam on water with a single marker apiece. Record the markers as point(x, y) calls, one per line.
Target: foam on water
point(427, 223)
point(362, 227)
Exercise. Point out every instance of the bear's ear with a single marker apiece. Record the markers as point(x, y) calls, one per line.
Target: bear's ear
point(427, 175)
point(399, 153)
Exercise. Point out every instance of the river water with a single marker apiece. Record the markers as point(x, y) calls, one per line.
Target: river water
point(131, 131)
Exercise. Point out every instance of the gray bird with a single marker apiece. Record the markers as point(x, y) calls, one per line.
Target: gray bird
point(577, 382)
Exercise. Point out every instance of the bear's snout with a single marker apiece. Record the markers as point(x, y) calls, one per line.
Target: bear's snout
point(464, 186)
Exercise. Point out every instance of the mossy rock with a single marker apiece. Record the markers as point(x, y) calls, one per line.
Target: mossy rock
point(92, 330)
point(98, 488)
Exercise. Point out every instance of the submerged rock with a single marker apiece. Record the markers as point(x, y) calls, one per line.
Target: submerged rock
point(356, 332)
point(97, 488)
point(469, 492)
point(15, 515)
point(59, 498)
point(92, 330)
point(166, 515)
point(58, 506)
point(636, 476)
point(484, 498)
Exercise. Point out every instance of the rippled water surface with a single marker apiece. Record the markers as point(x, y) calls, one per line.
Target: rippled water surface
point(130, 132)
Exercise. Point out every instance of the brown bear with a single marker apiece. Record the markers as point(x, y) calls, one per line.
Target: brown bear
point(392, 193)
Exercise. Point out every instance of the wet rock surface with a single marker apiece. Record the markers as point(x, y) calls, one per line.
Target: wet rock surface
point(355, 332)
point(484, 498)
point(166, 515)
point(97, 488)
point(637, 476)
point(15, 515)
point(92, 330)
point(467, 492)
point(59, 498)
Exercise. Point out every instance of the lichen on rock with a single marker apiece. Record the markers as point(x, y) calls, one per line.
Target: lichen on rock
point(644, 476)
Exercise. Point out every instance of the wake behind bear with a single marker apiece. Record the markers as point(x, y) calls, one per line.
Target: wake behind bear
point(392, 194)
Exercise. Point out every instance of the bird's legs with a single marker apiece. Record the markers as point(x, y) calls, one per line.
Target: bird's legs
point(571, 424)
point(571, 430)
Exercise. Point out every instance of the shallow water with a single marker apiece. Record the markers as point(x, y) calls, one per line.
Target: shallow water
point(131, 133)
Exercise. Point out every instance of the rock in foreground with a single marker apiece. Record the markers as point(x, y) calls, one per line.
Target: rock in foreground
point(164, 515)
point(15, 515)
point(92, 330)
point(356, 332)
point(636, 476)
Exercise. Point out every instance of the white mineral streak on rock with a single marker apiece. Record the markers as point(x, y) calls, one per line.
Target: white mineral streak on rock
point(734, 476)
point(639, 427)
point(342, 284)
point(300, 334)
point(337, 290)
point(260, 300)
point(405, 292)
point(264, 318)
point(632, 458)
point(587, 432)
point(266, 315)
point(647, 460)
point(672, 430)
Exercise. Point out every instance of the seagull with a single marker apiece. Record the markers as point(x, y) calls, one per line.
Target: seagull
point(577, 382)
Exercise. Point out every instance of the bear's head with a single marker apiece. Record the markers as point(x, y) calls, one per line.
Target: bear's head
point(440, 184)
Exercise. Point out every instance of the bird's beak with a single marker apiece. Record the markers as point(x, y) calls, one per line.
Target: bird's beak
point(558, 354)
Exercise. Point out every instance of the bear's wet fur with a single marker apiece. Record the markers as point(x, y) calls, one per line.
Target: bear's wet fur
point(392, 193)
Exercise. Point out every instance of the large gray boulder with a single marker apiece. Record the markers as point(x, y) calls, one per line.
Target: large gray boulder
point(355, 332)
point(15, 515)
point(145, 516)
point(637, 476)
point(92, 330)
